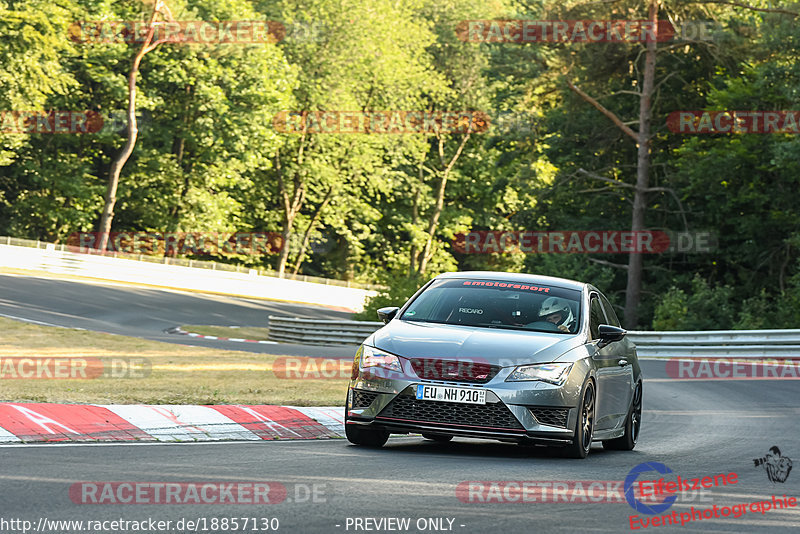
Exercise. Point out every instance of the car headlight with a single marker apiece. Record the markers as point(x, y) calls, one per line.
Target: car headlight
point(553, 373)
point(372, 357)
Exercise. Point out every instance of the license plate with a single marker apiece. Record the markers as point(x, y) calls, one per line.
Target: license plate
point(448, 394)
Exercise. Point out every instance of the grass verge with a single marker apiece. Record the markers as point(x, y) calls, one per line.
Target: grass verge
point(179, 374)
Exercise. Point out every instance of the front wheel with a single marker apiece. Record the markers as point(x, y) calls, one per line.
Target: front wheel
point(584, 425)
point(633, 424)
point(366, 435)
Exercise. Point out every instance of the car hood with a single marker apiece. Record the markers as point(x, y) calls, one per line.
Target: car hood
point(449, 342)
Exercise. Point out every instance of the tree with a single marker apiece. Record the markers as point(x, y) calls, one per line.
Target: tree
point(30, 67)
point(160, 9)
point(368, 57)
point(642, 140)
point(463, 68)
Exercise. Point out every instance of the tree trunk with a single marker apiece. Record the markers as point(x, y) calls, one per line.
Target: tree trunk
point(433, 223)
point(307, 235)
point(286, 234)
point(107, 216)
point(633, 288)
point(427, 252)
point(179, 150)
point(178, 146)
point(122, 158)
point(291, 207)
point(413, 255)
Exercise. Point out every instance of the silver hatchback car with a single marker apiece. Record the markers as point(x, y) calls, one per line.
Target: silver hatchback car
point(507, 356)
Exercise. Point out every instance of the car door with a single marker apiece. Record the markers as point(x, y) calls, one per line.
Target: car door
point(624, 350)
point(614, 371)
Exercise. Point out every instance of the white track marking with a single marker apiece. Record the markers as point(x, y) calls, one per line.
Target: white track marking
point(41, 323)
point(331, 417)
point(182, 423)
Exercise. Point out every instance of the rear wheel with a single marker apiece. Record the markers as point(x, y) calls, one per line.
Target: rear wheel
point(584, 425)
point(632, 425)
point(366, 435)
point(441, 438)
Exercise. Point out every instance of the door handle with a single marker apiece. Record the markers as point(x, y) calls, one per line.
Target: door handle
point(623, 362)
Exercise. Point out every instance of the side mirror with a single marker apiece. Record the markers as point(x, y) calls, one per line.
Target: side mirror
point(609, 334)
point(387, 314)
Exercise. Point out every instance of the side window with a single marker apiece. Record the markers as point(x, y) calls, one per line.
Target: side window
point(610, 315)
point(596, 317)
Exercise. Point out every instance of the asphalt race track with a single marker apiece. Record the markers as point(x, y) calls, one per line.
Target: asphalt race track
point(146, 313)
point(695, 428)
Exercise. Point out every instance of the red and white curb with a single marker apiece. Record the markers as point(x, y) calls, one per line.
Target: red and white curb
point(40, 422)
point(182, 332)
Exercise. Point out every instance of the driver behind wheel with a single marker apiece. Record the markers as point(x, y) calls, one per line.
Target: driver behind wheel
point(556, 311)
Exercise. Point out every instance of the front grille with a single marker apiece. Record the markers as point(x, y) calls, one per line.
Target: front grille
point(454, 370)
point(494, 415)
point(363, 399)
point(550, 416)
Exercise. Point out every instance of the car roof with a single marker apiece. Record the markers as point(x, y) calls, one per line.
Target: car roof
point(517, 277)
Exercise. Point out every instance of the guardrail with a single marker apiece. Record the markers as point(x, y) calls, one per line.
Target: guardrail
point(320, 332)
point(178, 274)
point(718, 344)
point(705, 344)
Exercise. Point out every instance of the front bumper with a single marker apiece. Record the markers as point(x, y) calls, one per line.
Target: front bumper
point(525, 412)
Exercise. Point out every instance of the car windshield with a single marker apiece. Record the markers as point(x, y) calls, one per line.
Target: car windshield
point(498, 304)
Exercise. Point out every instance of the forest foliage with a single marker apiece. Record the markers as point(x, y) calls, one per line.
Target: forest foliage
point(387, 208)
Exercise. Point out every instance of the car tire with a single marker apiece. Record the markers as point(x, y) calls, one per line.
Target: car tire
point(366, 436)
point(633, 424)
point(439, 438)
point(584, 424)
